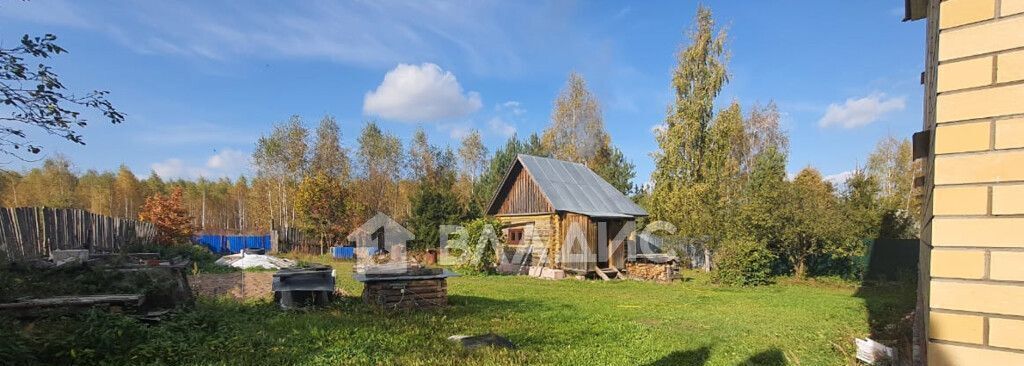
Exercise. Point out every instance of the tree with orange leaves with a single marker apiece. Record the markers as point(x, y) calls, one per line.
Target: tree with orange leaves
point(173, 224)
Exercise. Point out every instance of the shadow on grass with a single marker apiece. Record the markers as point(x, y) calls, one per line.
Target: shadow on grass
point(771, 357)
point(693, 357)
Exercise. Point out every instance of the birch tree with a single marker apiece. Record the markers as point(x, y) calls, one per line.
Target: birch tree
point(682, 186)
point(577, 131)
point(329, 156)
point(381, 160)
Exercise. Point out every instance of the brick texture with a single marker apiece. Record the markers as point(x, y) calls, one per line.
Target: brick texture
point(1007, 333)
point(960, 201)
point(954, 355)
point(960, 12)
point(977, 297)
point(976, 266)
point(956, 327)
point(1008, 266)
point(982, 103)
point(966, 137)
point(982, 38)
point(1008, 200)
point(1010, 67)
point(1010, 133)
point(1010, 7)
point(1000, 232)
point(953, 263)
point(979, 168)
point(965, 74)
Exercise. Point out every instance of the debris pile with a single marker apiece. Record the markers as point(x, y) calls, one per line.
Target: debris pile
point(244, 261)
point(74, 280)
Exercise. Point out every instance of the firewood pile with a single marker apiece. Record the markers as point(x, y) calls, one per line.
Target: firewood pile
point(411, 294)
point(661, 272)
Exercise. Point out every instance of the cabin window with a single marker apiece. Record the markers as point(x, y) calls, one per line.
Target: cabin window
point(515, 236)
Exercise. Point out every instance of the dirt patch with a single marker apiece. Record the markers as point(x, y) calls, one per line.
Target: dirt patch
point(237, 285)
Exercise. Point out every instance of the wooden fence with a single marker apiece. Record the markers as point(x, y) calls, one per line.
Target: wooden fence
point(32, 232)
point(293, 240)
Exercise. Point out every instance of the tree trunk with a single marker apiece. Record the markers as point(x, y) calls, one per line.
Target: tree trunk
point(707, 259)
point(800, 266)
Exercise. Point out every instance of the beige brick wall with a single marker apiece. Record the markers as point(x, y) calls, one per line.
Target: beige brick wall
point(974, 288)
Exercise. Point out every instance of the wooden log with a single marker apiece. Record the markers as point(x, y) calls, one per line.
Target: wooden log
point(398, 295)
point(75, 301)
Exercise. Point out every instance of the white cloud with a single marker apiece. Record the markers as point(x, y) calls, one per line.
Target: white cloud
point(413, 93)
point(229, 163)
point(171, 168)
point(500, 127)
point(658, 128)
point(511, 106)
point(839, 179)
point(861, 112)
point(228, 159)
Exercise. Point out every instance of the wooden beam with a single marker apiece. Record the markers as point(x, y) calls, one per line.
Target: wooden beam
point(70, 301)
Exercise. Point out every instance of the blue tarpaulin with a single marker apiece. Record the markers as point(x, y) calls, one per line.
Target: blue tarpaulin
point(228, 244)
point(343, 252)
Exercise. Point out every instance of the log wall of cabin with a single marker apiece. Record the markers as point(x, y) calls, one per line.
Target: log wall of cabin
point(539, 233)
point(523, 196)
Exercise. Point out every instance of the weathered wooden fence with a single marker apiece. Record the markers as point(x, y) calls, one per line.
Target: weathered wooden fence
point(32, 232)
point(293, 240)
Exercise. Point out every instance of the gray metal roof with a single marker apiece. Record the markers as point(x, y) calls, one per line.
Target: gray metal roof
point(575, 188)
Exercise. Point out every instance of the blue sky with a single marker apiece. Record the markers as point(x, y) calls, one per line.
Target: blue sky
point(201, 81)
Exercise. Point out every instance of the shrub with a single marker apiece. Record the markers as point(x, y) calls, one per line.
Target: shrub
point(478, 239)
point(743, 262)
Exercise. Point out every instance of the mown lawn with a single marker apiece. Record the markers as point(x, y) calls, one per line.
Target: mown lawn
point(553, 322)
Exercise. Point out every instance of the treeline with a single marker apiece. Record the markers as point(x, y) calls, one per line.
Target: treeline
point(720, 178)
point(304, 178)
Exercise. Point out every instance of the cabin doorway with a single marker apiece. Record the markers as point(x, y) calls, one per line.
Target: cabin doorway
point(609, 253)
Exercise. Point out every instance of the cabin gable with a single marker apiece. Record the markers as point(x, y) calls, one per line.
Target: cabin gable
point(519, 195)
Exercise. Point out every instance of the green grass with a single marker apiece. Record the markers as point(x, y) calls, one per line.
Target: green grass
point(553, 322)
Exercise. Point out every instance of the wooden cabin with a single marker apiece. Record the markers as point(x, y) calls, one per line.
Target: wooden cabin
point(546, 205)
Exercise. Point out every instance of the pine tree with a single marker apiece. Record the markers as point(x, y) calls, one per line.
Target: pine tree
point(434, 203)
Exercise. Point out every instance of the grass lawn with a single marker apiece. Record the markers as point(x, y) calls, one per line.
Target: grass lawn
point(553, 322)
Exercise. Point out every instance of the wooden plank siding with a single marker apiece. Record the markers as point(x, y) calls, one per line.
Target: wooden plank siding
point(522, 196)
point(588, 232)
